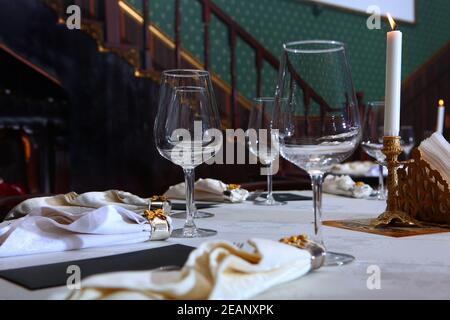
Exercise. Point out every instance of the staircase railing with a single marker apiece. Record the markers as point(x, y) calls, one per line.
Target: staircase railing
point(120, 35)
point(235, 31)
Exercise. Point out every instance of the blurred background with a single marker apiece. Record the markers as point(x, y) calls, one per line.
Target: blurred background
point(77, 107)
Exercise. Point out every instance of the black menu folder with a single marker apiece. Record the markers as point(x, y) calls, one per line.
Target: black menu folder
point(55, 275)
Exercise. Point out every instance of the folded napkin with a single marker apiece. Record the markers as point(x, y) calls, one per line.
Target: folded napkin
point(215, 270)
point(344, 185)
point(49, 229)
point(436, 151)
point(354, 168)
point(79, 203)
point(209, 190)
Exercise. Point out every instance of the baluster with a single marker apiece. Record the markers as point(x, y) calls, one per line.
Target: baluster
point(91, 9)
point(233, 114)
point(259, 65)
point(177, 34)
point(206, 21)
point(146, 41)
point(112, 14)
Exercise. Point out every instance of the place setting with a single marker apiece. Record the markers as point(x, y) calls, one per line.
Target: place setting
point(306, 189)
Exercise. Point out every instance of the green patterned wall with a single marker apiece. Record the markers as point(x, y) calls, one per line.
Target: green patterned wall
point(273, 22)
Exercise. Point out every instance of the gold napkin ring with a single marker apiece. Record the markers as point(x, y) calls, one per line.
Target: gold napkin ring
point(159, 224)
point(160, 202)
point(316, 250)
point(159, 198)
point(233, 186)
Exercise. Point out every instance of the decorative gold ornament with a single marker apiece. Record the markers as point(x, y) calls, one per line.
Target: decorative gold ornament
point(153, 214)
point(159, 199)
point(233, 186)
point(159, 223)
point(299, 241)
point(422, 192)
point(393, 213)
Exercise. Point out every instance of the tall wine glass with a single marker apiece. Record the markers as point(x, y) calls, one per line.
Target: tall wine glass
point(187, 131)
point(372, 141)
point(316, 116)
point(260, 142)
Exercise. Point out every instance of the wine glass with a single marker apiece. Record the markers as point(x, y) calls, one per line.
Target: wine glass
point(372, 141)
point(187, 132)
point(260, 142)
point(316, 117)
point(407, 140)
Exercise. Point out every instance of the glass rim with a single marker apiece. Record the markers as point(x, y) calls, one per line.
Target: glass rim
point(264, 99)
point(185, 73)
point(189, 89)
point(339, 46)
point(376, 104)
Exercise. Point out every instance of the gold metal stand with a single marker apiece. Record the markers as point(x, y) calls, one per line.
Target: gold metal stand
point(392, 149)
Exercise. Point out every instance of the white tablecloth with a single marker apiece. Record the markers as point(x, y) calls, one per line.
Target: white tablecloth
point(411, 267)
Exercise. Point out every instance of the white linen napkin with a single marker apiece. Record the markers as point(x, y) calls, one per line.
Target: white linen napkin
point(49, 229)
point(436, 151)
point(79, 203)
point(209, 190)
point(215, 270)
point(355, 167)
point(344, 185)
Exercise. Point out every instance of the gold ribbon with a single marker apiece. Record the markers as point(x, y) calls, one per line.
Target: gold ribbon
point(153, 214)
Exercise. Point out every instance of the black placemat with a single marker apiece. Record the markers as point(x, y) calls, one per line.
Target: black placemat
point(55, 275)
point(286, 197)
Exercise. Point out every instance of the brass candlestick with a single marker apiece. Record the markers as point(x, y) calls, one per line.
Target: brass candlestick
point(392, 149)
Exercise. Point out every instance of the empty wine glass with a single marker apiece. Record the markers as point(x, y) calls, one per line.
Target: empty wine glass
point(372, 141)
point(187, 131)
point(260, 142)
point(316, 116)
point(407, 140)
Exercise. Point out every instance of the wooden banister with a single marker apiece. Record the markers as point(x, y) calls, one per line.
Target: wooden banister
point(177, 34)
point(119, 34)
point(146, 50)
point(261, 55)
point(241, 32)
point(206, 22)
point(234, 119)
point(112, 12)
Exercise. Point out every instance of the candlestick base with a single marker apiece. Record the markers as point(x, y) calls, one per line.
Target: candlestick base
point(392, 149)
point(399, 218)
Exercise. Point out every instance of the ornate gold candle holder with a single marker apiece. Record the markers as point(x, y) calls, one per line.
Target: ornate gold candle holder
point(392, 149)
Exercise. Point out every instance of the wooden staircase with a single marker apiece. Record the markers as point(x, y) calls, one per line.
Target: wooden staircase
point(119, 28)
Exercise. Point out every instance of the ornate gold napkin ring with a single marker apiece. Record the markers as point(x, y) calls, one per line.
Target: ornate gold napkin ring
point(316, 250)
point(297, 241)
point(233, 186)
point(159, 224)
point(160, 202)
point(417, 194)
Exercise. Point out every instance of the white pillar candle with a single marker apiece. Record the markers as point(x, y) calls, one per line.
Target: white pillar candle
point(440, 117)
point(393, 81)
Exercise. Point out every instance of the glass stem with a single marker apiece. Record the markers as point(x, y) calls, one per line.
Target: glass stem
point(190, 207)
point(316, 184)
point(269, 183)
point(382, 193)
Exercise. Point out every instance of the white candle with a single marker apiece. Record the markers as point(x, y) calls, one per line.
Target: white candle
point(393, 81)
point(440, 117)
